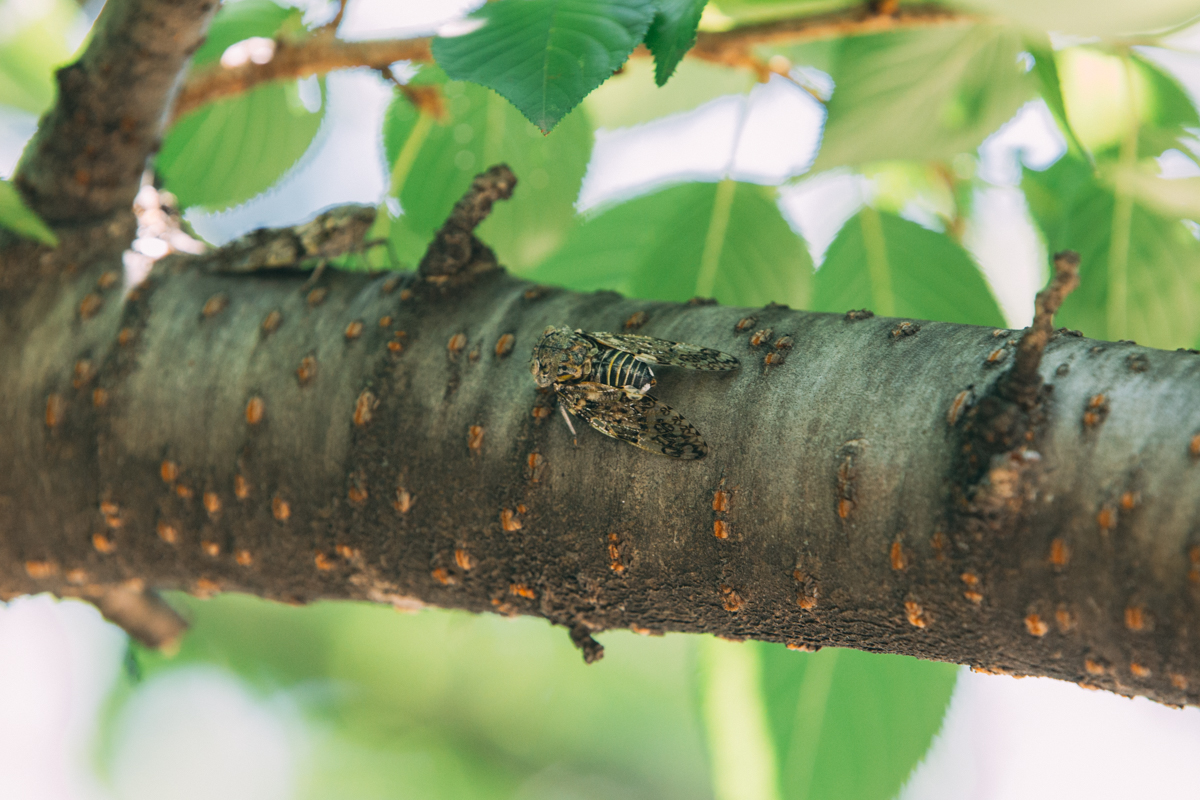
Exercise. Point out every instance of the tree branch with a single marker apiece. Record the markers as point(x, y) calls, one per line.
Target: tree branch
point(455, 250)
point(321, 53)
point(86, 160)
point(379, 440)
point(317, 55)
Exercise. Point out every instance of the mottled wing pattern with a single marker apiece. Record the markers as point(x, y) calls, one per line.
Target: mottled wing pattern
point(661, 351)
point(633, 417)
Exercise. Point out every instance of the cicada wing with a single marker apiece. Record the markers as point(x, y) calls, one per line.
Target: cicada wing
point(627, 414)
point(667, 353)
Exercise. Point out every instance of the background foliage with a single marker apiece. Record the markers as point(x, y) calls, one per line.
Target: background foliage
point(448, 705)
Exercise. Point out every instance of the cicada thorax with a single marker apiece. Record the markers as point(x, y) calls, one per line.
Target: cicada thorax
point(618, 368)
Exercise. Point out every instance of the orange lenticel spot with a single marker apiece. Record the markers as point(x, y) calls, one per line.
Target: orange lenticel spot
point(898, 557)
point(720, 529)
point(169, 471)
point(1135, 618)
point(210, 549)
point(241, 489)
point(168, 532)
point(212, 502)
point(1035, 626)
point(39, 570)
point(280, 508)
point(322, 561)
point(254, 410)
point(102, 543)
point(1139, 670)
point(244, 558)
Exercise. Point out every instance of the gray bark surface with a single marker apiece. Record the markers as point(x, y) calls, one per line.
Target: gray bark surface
point(880, 484)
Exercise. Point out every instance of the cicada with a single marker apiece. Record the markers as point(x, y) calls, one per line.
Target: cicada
point(604, 378)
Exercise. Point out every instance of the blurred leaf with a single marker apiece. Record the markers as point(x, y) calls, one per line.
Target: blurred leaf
point(30, 53)
point(545, 55)
point(242, 20)
point(1175, 198)
point(897, 268)
point(848, 723)
point(722, 240)
point(920, 94)
point(231, 150)
point(17, 217)
point(228, 151)
point(1139, 270)
point(633, 97)
point(1045, 69)
point(733, 705)
point(672, 34)
point(1109, 96)
point(433, 163)
point(743, 12)
point(1089, 17)
point(449, 704)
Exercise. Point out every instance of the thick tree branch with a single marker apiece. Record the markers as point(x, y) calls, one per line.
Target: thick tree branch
point(86, 160)
point(323, 53)
point(381, 439)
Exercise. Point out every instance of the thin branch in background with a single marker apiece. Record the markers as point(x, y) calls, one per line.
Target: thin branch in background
point(316, 55)
point(322, 53)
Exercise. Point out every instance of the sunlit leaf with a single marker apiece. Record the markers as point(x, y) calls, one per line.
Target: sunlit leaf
point(1112, 97)
point(672, 34)
point(1139, 273)
point(897, 268)
point(848, 723)
point(545, 55)
point(17, 217)
point(228, 151)
point(722, 240)
point(925, 94)
point(1105, 17)
point(633, 97)
point(29, 54)
point(433, 162)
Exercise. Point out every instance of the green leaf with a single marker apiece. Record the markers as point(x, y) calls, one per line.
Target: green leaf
point(242, 20)
point(896, 268)
point(1045, 68)
point(446, 704)
point(1110, 97)
point(1089, 17)
point(722, 240)
point(231, 150)
point(434, 161)
point(672, 34)
point(848, 723)
point(1139, 272)
point(633, 97)
point(920, 94)
point(17, 217)
point(545, 55)
point(29, 54)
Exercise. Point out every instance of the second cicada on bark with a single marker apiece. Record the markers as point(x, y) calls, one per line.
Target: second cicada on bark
point(605, 379)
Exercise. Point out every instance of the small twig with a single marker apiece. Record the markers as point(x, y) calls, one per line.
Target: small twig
point(424, 98)
point(334, 23)
point(141, 613)
point(581, 637)
point(454, 249)
point(1023, 382)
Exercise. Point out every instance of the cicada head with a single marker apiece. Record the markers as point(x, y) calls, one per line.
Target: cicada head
point(562, 356)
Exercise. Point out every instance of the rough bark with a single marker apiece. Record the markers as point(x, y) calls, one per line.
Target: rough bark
point(872, 483)
point(380, 438)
